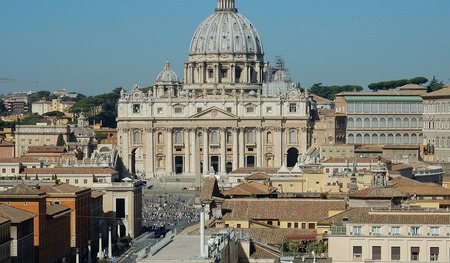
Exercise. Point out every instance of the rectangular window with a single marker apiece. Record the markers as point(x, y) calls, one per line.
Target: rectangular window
point(159, 110)
point(357, 253)
point(289, 225)
point(13, 170)
point(311, 225)
point(395, 253)
point(238, 225)
point(224, 73)
point(269, 110)
point(414, 231)
point(295, 225)
point(67, 181)
point(434, 253)
point(228, 109)
point(356, 230)
point(3, 170)
point(395, 230)
point(136, 108)
point(76, 181)
point(210, 73)
point(250, 109)
point(178, 110)
point(415, 253)
point(303, 225)
point(376, 253)
point(85, 181)
point(199, 109)
point(376, 230)
point(434, 231)
point(292, 107)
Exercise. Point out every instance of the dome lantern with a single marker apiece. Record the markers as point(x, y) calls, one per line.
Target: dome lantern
point(225, 5)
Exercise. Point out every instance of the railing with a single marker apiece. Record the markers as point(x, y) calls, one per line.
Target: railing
point(162, 243)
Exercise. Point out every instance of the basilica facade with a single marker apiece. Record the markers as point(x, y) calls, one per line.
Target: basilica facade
point(226, 115)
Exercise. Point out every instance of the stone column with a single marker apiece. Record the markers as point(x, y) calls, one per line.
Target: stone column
point(235, 149)
point(187, 156)
point(169, 156)
point(109, 243)
point(100, 248)
point(149, 152)
point(205, 150)
point(279, 150)
point(259, 147)
point(241, 148)
point(223, 150)
point(195, 160)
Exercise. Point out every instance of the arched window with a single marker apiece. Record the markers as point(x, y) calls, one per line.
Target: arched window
point(405, 123)
point(250, 137)
point(398, 138)
point(413, 123)
point(382, 123)
point(366, 122)
point(398, 123)
point(178, 137)
point(351, 139)
point(420, 125)
point(269, 137)
point(214, 137)
point(374, 138)
point(293, 136)
point(382, 138)
point(358, 138)
point(390, 138)
point(390, 123)
point(136, 137)
point(406, 139)
point(366, 138)
point(374, 123)
point(413, 139)
point(350, 123)
point(358, 123)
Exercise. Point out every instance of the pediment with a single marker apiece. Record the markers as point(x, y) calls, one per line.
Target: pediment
point(214, 113)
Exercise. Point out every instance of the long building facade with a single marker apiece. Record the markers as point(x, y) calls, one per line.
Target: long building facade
point(220, 119)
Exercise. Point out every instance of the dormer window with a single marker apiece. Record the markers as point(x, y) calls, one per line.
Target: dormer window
point(292, 107)
point(250, 109)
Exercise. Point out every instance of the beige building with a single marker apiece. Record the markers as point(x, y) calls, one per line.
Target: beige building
point(43, 106)
point(382, 235)
point(122, 207)
point(436, 116)
point(38, 135)
point(219, 119)
point(383, 117)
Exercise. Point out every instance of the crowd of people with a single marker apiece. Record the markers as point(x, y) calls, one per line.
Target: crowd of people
point(169, 211)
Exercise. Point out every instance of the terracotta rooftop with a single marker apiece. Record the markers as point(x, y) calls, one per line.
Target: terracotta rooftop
point(248, 189)
point(411, 187)
point(19, 160)
point(378, 192)
point(16, 215)
point(400, 166)
point(358, 160)
point(70, 170)
point(258, 176)
point(419, 217)
point(281, 209)
point(319, 99)
point(3, 220)
point(96, 194)
point(22, 190)
point(46, 149)
point(57, 210)
point(349, 214)
point(441, 93)
point(275, 236)
point(61, 188)
point(252, 170)
point(210, 189)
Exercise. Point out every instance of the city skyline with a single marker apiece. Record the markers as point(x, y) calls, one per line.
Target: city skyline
point(94, 47)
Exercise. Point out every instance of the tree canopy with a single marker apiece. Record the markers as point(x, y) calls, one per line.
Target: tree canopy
point(392, 84)
point(329, 92)
point(434, 85)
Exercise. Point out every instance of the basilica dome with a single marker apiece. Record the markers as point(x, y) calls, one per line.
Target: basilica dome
point(167, 75)
point(226, 31)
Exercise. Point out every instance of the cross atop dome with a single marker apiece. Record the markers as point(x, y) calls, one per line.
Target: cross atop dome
point(225, 5)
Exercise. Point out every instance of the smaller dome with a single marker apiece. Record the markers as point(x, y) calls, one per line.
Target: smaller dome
point(167, 75)
point(252, 93)
point(281, 76)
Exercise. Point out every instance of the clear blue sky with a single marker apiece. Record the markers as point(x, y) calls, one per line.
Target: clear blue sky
point(94, 46)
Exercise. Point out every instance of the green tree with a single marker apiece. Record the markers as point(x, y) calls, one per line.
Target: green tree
point(60, 141)
point(434, 85)
point(31, 119)
point(418, 80)
point(54, 113)
point(329, 92)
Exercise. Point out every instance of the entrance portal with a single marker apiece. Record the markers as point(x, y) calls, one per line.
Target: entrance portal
point(292, 157)
point(179, 164)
